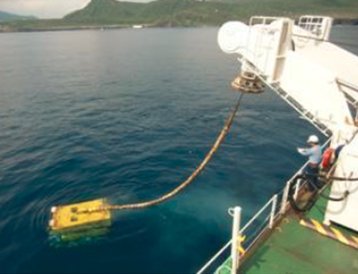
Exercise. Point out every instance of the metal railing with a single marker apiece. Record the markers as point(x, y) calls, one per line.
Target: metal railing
point(238, 232)
point(269, 220)
point(268, 223)
point(319, 26)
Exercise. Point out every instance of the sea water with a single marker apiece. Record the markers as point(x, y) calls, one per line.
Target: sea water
point(127, 115)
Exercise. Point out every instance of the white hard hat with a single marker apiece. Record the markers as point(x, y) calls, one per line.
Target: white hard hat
point(313, 139)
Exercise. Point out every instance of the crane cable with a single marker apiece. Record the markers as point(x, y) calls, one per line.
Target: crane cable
point(190, 179)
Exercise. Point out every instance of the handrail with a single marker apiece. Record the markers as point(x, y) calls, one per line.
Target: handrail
point(271, 216)
point(272, 200)
point(236, 239)
point(214, 257)
point(257, 214)
point(258, 235)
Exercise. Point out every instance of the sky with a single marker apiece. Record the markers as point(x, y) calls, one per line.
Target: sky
point(46, 8)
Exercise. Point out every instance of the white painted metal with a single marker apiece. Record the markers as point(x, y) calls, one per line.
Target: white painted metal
point(346, 212)
point(235, 242)
point(306, 72)
point(231, 211)
point(305, 114)
point(341, 63)
point(351, 92)
point(317, 78)
point(273, 211)
point(312, 77)
point(297, 188)
point(315, 88)
point(285, 198)
point(264, 45)
point(317, 26)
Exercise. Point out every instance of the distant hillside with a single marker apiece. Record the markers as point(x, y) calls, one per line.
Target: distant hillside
point(5, 17)
point(192, 13)
point(185, 13)
point(107, 11)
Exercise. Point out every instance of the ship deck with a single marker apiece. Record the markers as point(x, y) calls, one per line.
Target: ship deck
point(293, 248)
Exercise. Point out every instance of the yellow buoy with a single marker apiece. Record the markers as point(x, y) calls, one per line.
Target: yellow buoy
point(75, 216)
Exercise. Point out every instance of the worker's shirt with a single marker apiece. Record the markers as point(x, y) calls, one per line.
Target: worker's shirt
point(314, 154)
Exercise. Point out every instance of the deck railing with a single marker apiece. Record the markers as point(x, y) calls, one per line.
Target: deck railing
point(263, 220)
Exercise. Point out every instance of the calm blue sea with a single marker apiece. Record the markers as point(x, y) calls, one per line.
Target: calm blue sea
point(127, 115)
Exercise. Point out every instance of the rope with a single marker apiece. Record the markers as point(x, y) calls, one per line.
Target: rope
point(309, 203)
point(190, 179)
point(316, 192)
point(336, 199)
point(339, 178)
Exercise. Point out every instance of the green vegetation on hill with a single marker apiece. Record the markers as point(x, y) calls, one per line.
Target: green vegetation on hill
point(108, 11)
point(193, 13)
point(187, 13)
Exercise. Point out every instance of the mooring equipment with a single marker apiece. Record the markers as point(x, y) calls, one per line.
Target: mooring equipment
point(247, 82)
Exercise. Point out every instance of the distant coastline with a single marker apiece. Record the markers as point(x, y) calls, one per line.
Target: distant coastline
point(111, 14)
point(6, 28)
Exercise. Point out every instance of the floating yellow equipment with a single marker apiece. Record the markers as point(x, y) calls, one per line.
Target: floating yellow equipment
point(71, 217)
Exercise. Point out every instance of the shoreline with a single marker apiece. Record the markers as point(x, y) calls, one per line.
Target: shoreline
point(6, 27)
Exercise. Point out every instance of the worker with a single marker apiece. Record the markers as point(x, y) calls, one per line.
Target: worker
point(314, 153)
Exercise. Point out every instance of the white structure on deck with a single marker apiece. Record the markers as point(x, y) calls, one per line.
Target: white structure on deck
point(317, 78)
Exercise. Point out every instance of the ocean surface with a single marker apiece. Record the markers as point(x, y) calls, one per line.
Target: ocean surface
point(127, 115)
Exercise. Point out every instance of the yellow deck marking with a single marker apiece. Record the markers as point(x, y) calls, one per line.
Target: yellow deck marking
point(340, 236)
point(303, 222)
point(330, 232)
point(319, 227)
point(355, 239)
